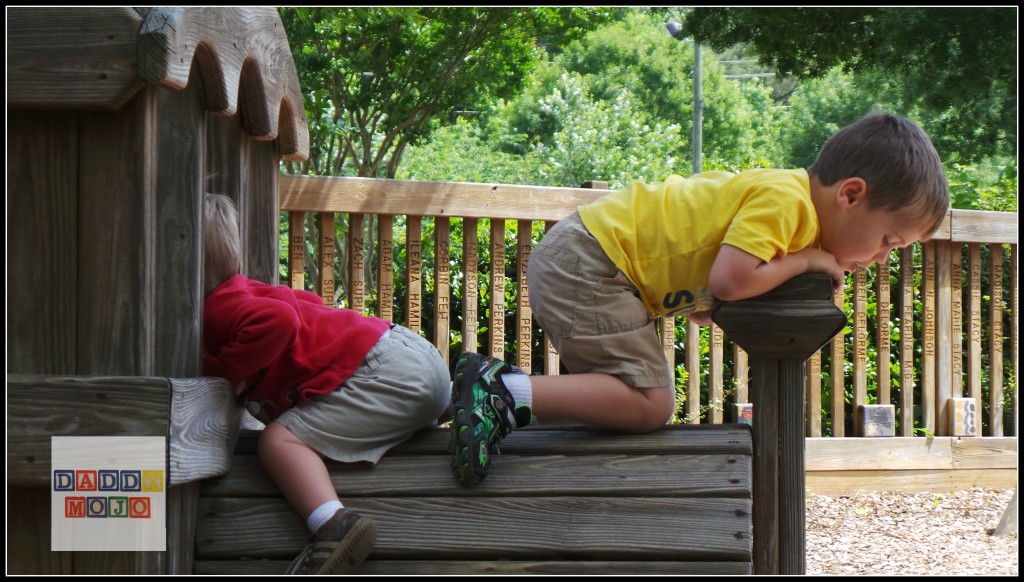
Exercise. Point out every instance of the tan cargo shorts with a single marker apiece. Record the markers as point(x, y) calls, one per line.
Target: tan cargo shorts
point(591, 311)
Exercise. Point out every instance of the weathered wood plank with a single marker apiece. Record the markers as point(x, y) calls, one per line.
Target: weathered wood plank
point(496, 528)
point(680, 439)
point(373, 567)
point(258, 211)
point(118, 155)
point(72, 57)
point(177, 294)
point(834, 483)
point(984, 453)
point(690, 475)
point(42, 220)
point(39, 408)
point(204, 421)
point(983, 226)
point(468, 200)
point(896, 453)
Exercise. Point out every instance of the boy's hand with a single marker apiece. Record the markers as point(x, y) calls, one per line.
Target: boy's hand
point(819, 261)
point(240, 388)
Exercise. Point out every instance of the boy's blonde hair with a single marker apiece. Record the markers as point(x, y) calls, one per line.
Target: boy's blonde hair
point(896, 159)
point(222, 246)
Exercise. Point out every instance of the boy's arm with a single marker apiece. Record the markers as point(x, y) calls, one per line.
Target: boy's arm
point(737, 274)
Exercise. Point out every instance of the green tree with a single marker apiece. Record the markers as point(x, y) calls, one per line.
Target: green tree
point(375, 77)
point(957, 64)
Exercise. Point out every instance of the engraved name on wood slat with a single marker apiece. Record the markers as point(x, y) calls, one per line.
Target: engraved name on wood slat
point(883, 346)
point(860, 338)
point(524, 315)
point(837, 372)
point(974, 323)
point(356, 256)
point(470, 280)
point(414, 266)
point(813, 386)
point(497, 320)
point(907, 341)
point(995, 358)
point(928, 341)
point(668, 344)
point(716, 366)
point(442, 284)
point(326, 253)
point(385, 267)
point(957, 322)
point(296, 248)
point(693, 372)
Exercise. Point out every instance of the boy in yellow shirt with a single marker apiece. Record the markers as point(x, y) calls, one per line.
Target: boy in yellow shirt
point(600, 277)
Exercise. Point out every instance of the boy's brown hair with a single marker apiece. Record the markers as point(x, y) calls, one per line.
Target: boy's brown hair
point(897, 160)
point(222, 247)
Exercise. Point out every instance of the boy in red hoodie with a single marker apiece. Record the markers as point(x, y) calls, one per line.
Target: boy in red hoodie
point(327, 382)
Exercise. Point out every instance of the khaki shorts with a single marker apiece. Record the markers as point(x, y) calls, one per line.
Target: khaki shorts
point(402, 386)
point(591, 311)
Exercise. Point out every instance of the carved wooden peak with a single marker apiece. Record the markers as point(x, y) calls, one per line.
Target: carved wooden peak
point(99, 57)
point(235, 48)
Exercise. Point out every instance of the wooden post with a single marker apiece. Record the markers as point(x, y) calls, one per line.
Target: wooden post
point(780, 330)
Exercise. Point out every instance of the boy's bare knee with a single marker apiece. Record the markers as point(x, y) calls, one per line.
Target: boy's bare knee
point(661, 405)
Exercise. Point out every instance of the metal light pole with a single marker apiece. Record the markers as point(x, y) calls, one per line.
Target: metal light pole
point(675, 29)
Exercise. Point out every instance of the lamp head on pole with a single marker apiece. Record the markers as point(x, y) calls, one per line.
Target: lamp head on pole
point(675, 29)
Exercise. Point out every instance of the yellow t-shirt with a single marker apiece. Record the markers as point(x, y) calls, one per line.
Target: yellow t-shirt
point(665, 237)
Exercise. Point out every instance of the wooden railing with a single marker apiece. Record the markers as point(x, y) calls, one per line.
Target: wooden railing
point(954, 362)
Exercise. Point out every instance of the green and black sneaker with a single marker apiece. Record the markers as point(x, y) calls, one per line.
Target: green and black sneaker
point(484, 414)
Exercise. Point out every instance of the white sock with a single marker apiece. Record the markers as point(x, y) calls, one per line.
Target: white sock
point(520, 387)
point(321, 514)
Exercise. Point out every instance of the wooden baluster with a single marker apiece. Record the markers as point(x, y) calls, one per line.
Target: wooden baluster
point(928, 340)
point(944, 350)
point(385, 267)
point(497, 321)
point(907, 341)
point(860, 346)
point(524, 335)
point(974, 324)
point(813, 386)
point(995, 357)
point(716, 365)
point(838, 374)
point(470, 290)
point(693, 372)
point(883, 340)
point(957, 331)
point(442, 284)
point(667, 330)
point(296, 249)
point(326, 253)
point(1013, 326)
point(356, 254)
point(414, 262)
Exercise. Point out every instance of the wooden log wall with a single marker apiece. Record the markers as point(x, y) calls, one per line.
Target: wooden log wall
point(930, 325)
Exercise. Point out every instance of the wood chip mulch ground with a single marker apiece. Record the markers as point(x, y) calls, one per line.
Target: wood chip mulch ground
point(896, 533)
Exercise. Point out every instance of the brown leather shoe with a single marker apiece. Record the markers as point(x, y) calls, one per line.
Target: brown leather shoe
point(339, 546)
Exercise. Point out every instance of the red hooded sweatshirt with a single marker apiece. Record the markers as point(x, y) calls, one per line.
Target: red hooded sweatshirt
point(284, 343)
